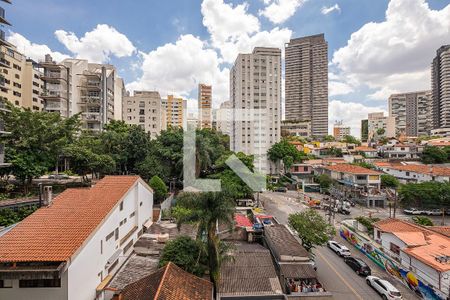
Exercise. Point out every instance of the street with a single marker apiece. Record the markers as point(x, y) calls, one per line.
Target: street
point(335, 275)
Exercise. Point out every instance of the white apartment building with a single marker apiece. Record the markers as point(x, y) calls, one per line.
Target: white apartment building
point(77, 86)
point(379, 123)
point(70, 249)
point(145, 110)
point(255, 95)
point(340, 131)
point(223, 118)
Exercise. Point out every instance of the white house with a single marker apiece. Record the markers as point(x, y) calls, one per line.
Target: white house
point(71, 248)
point(368, 152)
point(424, 252)
point(416, 173)
point(353, 175)
point(402, 151)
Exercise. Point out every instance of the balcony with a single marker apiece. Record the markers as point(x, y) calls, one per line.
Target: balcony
point(2, 17)
point(3, 39)
point(3, 84)
point(91, 116)
point(52, 76)
point(3, 62)
point(93, 85)
point(89, 99)
point(53, 94)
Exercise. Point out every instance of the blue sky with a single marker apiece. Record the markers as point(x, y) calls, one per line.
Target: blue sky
point(174, 44)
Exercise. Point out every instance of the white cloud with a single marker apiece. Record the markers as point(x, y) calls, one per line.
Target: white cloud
point(339, 88)
point(34, 51)
point(395, 55)
point(278, 11)
point(97, 45)
point(328, 10)
point(233, 30)
point(351, 114)
point(179, 67)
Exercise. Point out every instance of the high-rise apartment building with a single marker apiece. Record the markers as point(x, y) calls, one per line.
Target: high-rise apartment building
point(77, 86)
point(4, 68)
point(306, 84)
point(380, 126)
point(224, 115)
point(412, 113)
point(364, 130)
point(205, 105)
point(255, 95)
point(440, 85)
point(296, 128)
point(145, 110)
point(32, 86)
point(340, 131)
point(175, 111)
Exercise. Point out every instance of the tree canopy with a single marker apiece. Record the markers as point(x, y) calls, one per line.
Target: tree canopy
point(312, 228)
point(286, 152)
point(159, 188)
point(435, 155)
point(351, 140)
point(389, 181)
point(430, 194)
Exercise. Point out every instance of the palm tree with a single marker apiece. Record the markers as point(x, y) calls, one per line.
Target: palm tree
point(207, 210)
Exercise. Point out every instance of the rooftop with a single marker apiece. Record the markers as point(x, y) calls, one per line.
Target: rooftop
point(55, 233)
point(352, 169)
point(432, 170)
point(284, 245)
point(169, 283)
point(251, 272)
point(365, 149)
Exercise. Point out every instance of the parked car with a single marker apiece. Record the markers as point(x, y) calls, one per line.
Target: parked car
point(384, 288)
point(339, 249)
point(413, 211)
point(433, 212)
point(281, 189)
point(358, 265)
point(58, 176)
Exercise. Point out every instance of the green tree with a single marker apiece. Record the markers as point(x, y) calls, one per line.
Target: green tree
point(429, 194)
point(434, 155)
point(207, 210)
point(312, 228)
point(364, 165)
point(381, 131)
point(329, 138)
point(423, 221)
point(351, 140)
point(286, 152)
point(389, 181)
point(186, 253)
point(324, 181)
point(159, 187)
point(367, 222)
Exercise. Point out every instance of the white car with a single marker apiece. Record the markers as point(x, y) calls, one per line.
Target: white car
point(341, 250)
point(433, 212)
point(413, 211)
point(384, 288)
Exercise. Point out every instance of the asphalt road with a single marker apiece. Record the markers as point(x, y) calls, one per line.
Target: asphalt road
point(333, 273)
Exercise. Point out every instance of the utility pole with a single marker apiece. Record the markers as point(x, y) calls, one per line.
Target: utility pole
point(395, 201)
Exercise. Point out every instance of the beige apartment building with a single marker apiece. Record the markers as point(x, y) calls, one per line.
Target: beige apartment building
point(340, 131)
point(223, 118)
point(380, 126)
point(440, 85)
point(77, 86)
point(175, 111)
point(205, 105)
point(296, 128)
point(255, 95)
point(144, 109)
point(3, 87)
point(306, 88)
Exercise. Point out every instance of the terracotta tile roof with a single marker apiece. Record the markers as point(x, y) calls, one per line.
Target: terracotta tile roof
point(437, 246)
point(56, 232)
point(352, 169)
point(397, 225)
point(444, 230)
point(415, 238)
point(439, 143)
point(169, 283)
point(423, 169)
point(365, 149)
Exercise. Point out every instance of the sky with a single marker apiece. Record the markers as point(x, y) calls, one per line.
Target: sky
point(375, 47)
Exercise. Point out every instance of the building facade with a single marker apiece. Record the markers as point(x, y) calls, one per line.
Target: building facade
point(145, 110)
point(306, 88)
point(255, 95)
point(380, 126)
point(175, 111)
point(57, 256)
point(340, 131)
point(223, 116)
point(412, 113)
point(205, 105)
point(440, 85)
point(296, 128)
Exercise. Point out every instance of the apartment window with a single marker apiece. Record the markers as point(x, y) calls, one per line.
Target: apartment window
point(142, 112)
point(39, 283)
point(132, 214)
point(140, 203)
point(141, 119)
point(109, 236)
point(17, 76)
point(116, 234)
point(361, 177)
point(101, 246)
point(5, 283)
point(17, 94)
point(121, 206)
point(17, 85)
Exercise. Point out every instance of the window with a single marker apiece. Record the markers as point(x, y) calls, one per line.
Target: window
point(121, 205)
point(38, 283)
point(116, 234)
point(132, 214)
point(101, 246)
point(5, 283)
point(109, 236)
point(395, 249)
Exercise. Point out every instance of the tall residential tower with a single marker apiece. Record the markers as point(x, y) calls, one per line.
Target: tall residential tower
point(205, 105)
point(440, 85)
point(255, 95)
point(307, 82)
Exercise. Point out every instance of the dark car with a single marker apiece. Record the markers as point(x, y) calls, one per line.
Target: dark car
point(281, 190)
point(358, 265)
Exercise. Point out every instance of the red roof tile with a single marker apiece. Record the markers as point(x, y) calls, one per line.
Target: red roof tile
point(423, 169)
point(56, 232)
point(353, 169)
point(365, 149)
point(169, 283)
point(242, 220)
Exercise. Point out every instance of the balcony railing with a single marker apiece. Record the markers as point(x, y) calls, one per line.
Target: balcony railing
point(54, 75)
point(91, 116)
point(90, 99)
point(53, 93)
